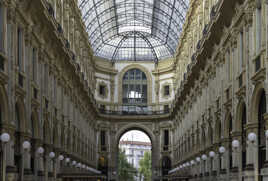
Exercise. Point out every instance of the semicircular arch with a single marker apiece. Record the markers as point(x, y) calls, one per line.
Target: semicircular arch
point(256, 96)
point(149, 81)
point(4, 106)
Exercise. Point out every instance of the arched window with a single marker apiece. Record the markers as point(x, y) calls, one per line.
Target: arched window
point(134, 90)
point(261, 130)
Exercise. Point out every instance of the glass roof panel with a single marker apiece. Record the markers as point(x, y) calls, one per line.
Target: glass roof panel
point(134, 29)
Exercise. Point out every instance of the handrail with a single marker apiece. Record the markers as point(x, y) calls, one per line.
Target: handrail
point(129, 113)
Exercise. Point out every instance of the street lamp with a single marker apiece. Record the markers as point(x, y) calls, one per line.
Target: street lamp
point(211, 154)
point(204, 157)
point(5, 137)
point(198, 159)
point(40, 150)
point(222, 149)
point(51, 155)
point(252, 137)
point(26, 146)
point(266, 134)
point(74, 162)
point(61, 157)
point(235, 144)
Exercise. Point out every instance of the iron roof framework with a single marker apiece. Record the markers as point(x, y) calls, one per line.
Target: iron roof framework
point(136, 30)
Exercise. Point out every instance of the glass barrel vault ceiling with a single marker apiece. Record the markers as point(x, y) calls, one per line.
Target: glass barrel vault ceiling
point(134, 29)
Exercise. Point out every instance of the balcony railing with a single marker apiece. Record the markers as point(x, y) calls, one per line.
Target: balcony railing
point(134, 100)
point(134, 110)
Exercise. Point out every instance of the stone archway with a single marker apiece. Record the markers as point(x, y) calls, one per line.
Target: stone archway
point(115, 150)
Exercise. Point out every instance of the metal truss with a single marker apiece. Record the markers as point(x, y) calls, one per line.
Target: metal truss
point(111, 24)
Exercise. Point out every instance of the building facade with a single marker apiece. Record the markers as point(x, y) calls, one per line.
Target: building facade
point(204, 108)
point(134, 151)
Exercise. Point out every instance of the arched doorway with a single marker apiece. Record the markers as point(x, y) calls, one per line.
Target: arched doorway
point(134, 156)
point(146, 130)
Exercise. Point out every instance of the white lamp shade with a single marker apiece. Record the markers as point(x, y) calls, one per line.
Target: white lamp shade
point(5, 137)
point(252, 137)
point(212, 154)
point(61, 157)
point(51, 155)
point(235, 144)
point(221, 149)
point(26, 145)
point(266, 134)
point(204, 157)
point(40, 150)
point(74, 162)
point(67, 160)
point(198, 159)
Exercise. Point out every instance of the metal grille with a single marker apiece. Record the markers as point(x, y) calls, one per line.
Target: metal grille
point(134, 29)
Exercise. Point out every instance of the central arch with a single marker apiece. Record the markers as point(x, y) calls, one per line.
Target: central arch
point(139, 127)
point(149, 81)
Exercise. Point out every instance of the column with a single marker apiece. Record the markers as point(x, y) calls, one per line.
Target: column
point(3, 26)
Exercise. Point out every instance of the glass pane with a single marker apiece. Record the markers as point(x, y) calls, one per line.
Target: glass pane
point(144, 24)
point(143, 76)
point(131, 76)
point(125, 91)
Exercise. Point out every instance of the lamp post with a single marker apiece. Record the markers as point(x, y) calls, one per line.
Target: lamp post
point(212, 155)
point(26, 147)
point(252, 138)
point(221, 152)
point(5, 139)
point(235, 146)
point(67, 161)
point(51, 156)
point(74, 163)
point(40, 150)
point(198, 162)
point(204, 158)
point(61, 158)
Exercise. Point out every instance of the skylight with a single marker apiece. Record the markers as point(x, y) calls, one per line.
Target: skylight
point(134, 30)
